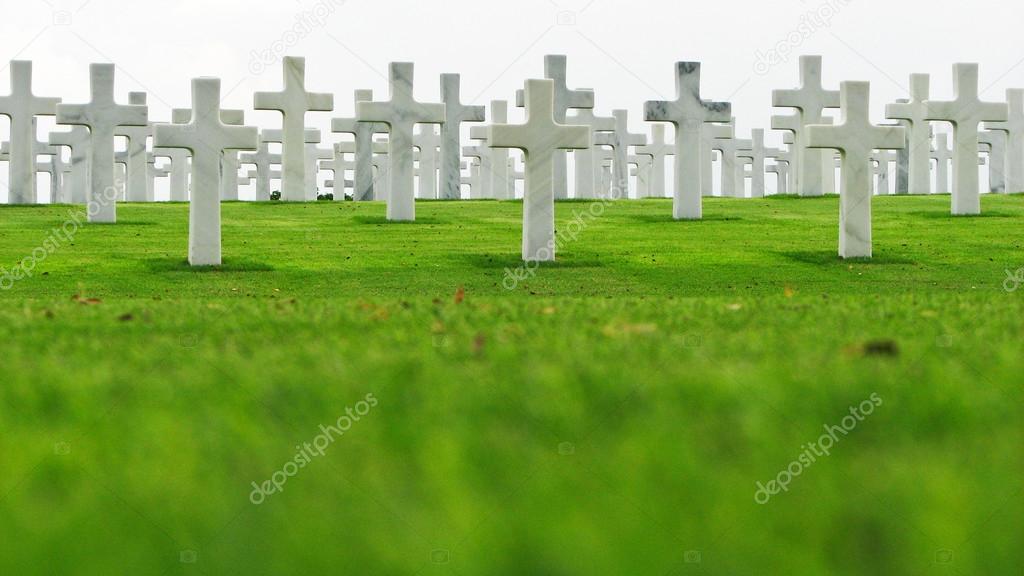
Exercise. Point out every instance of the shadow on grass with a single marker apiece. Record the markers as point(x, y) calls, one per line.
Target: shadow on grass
point(515, 261)
point(229, 265)
point(137, 223)
point(275, 204)
point(830, 257)
point(668, 219)
point(798, 198)
point(382, 220)
point(945, 215)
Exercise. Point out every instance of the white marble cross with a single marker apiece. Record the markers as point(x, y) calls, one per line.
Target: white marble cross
point(640, 168)
point(137, 184)
point(1014, 129)
point(363, 132)
point(756, 153)
point(942, 155)
point(787, 155)
point(604, 151)
point(475, 178)
point(514, 175)
point(855, 138)
point(743, 171)
point(309, 136)
point(102, 116)
point(381, 171)
point(21, 106)
point(539, 139)
point(881, 160)
point(482, 153)
point(154, 172)
point(207, 137)
point(711, 133)
point(688, 113)
point(455, 114)
point(920, 136)
point(623, 140)
point(245, 179)
point(314, 154)
point(47, 167)
point(484, 156)
point(120, 175)
point(994, 142)
point(781, 169)
point(230, 162)
point(586, 169)
point(966, 112)
point(253, 175)
point(427, 141)
point(263, 160)
point(791, 127)
point(337, 178)
point(294, 103)
point(338, 188)
point(465, 181)
point(830, 162)
point(903, 157)
point(774, 155)
point(77, 139)
point(498, 156)
point(401, 112)
point(55, 167)
point(65, 182)
point(642, 172)
point(179, 170)
point(556, 70)
point(607, 186)
point(727, 146)
point(340, 165)
point(809, 100)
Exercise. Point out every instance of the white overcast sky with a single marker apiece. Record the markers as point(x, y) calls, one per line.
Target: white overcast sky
point(622, 49)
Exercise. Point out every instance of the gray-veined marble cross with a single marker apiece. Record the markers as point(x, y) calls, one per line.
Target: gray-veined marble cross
point(855, 137)
point(688, 113)
point(294, 102)
point(966, 112)
point(102, 115)
point(539, 138)
point(21, 106)
point(207, 137)
point(401, 112)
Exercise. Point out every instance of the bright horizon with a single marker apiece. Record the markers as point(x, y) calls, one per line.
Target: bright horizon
point(612, 47)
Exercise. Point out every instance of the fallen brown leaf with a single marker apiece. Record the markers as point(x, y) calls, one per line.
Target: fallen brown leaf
point(86, 301)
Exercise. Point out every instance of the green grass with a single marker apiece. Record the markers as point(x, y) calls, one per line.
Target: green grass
point(611, 415)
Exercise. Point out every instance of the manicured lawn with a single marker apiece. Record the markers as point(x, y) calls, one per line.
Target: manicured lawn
point(611, 414)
